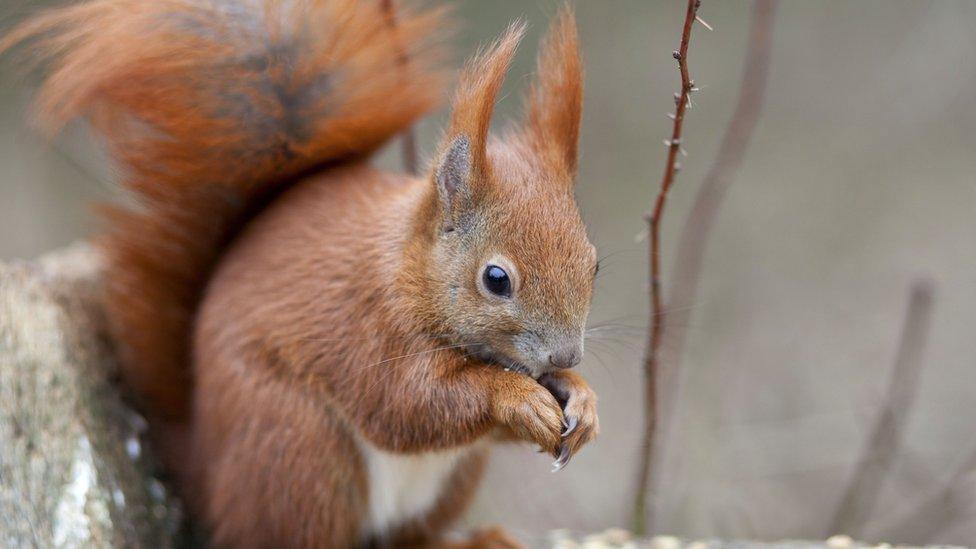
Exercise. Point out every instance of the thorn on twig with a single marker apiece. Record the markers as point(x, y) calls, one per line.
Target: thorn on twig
point(703, 23)
point(641, 236)
point(671, 116)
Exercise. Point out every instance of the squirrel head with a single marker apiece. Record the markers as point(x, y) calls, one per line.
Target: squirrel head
point(509, 267)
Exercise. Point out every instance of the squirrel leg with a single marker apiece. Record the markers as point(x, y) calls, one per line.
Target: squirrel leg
point(458, 407)
point(280, 469)
point(427, 531)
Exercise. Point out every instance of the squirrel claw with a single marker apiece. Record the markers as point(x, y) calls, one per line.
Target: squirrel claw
point(571, 425)
point(562, 459)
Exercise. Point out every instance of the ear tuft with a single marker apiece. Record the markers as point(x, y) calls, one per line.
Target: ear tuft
point(477, 91)
point(555, 103)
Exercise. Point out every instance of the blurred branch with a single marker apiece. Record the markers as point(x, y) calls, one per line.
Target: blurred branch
point(861, 494)
point(693, 240)
point(653, 344)
point(408, 143)
point(938, 512)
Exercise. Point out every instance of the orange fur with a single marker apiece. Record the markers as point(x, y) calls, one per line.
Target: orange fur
point(322, 311)
point(209, 110)
point(474, 100)
point(556, 98)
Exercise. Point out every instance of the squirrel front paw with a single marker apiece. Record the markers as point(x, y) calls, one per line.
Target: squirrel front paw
point(578, 402)
point(529, 411)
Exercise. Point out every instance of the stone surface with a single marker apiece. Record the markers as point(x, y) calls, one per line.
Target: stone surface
point(73, 472)
point(616, 538)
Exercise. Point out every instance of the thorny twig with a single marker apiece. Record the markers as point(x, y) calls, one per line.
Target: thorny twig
point(657, 310)
point(693, 240)
point(861, 493)
point(408, 143)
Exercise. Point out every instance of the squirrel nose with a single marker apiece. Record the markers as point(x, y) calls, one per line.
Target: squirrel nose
point(566, 358)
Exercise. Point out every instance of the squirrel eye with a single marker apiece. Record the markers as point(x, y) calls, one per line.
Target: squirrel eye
point(497, 281)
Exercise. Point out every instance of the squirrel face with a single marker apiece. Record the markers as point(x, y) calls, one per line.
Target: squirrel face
point(514, 266)
point(511, 267)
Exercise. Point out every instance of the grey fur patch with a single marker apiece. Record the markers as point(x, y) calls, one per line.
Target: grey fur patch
point(453, 176)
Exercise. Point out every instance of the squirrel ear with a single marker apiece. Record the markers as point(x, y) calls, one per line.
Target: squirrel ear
point(452, 176)
point(555, 102)
point(477, 90)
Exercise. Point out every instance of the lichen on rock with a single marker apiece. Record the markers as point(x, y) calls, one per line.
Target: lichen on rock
point(68, 477)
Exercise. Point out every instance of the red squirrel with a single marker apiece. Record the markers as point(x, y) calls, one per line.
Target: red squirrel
point(324, 350)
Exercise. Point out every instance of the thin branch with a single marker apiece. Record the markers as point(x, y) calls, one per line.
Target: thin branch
point(861, 494)
point(657, 309)
point(408, 143)
point(693, 240)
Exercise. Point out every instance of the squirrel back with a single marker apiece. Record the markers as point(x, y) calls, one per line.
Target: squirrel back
point(212, 108)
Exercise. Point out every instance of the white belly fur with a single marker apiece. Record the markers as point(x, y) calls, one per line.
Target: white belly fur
point(404, 486)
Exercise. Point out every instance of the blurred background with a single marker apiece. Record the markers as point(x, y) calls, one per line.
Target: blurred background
point(861, 178)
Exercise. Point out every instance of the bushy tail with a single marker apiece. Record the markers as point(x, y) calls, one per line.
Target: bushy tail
point(210, 107)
